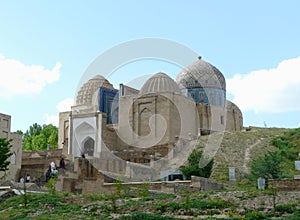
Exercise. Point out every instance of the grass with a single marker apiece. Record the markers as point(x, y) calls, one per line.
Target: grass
point(233, 149)
point(155, 206)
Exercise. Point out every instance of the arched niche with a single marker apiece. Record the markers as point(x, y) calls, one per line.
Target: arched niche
point(88, 146)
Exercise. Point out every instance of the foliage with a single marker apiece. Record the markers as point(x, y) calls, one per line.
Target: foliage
point(143, 190)
point(288, 144)
point(118, 192)
point(145, 216)
point(95, 197)
point(193, 169)
point(5, 153)
point(255, 215)
point(271, 165)
point(173, 206)
point(19, 132)
point(210, 204)
point(38, 137)
point(268, 166)
point(80, 206)
point(286, 208)
point(25, 197)
point(51, 183)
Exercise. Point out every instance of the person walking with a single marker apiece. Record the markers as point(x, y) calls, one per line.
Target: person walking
point(27, 178)
point(62, 165)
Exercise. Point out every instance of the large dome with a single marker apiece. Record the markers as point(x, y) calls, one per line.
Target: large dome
point(201, 74)
point(160, 82)
point(86, 92)
point(203, 82)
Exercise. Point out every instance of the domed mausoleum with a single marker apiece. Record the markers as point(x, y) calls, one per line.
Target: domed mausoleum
point(203, 82)
point(160, 82)
point(86, 92)
point(115, 127)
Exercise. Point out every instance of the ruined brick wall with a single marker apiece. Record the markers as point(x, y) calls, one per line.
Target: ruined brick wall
point(36, 163)
point(205, 184)
point(285, 184)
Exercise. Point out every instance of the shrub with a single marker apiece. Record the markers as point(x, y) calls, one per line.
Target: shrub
point(95, 197)
point(51, 183)
point(210, 204)
point(285, 208)
point(281, 142)
point(143, 190)
point(145, 216)
point(255, 215)
point(193, 169)
point(173, 206)
point(268, 166)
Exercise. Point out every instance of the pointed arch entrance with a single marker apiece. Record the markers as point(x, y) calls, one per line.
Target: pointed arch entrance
point(89, 146)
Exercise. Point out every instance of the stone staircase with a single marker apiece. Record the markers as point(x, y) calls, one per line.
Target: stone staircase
point(36, 163)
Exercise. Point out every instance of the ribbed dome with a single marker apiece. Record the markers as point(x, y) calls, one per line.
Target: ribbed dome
point(86, 92)
point(160, 82)
point(201, 74)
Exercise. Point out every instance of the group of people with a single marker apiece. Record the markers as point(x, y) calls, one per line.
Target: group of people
point(52, 170)
point(27, 178)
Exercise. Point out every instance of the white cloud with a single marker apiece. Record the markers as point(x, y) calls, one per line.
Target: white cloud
point(274, 90)
point(17, 78)
point(62, 106)
point(52, 119)
point(65, 105)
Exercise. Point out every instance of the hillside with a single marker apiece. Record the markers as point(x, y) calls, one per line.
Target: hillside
point(238, 149)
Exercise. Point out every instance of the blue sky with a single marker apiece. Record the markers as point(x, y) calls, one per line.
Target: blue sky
point(45, 47)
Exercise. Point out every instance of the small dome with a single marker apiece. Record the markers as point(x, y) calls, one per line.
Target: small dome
point(160, 82)
point(86, 92)
point(201, 74)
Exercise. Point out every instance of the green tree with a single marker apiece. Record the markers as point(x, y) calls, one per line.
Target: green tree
point(37, 137)
point(29, 136)
point(34, 129)
point(51, 134)
point(5, 153)
point(19, 132)
point(268, 166)
point(39, 142)
point(193, 169)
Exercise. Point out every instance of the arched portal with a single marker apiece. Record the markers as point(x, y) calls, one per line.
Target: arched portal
point(144, 120)
point(89, 146)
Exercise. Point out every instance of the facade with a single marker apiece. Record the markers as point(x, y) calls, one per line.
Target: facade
point(116, 127)
point(16, 157)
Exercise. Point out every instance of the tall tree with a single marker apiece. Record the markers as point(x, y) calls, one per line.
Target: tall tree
point(19, 132)
point(34, 129)
point(38, 137)
point(51, 134)
point(5, 154)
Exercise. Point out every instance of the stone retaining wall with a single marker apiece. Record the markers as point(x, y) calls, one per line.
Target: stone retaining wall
point(285, 184)
point(206, 184)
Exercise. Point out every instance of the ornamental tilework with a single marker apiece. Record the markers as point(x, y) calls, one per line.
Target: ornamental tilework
point(108, 103)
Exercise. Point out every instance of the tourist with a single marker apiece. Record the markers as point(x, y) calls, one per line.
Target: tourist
point(62, 164)
point(52, 165)
point(21, 180)
point(48, 175)
point(53, 168)
point(27, 178)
